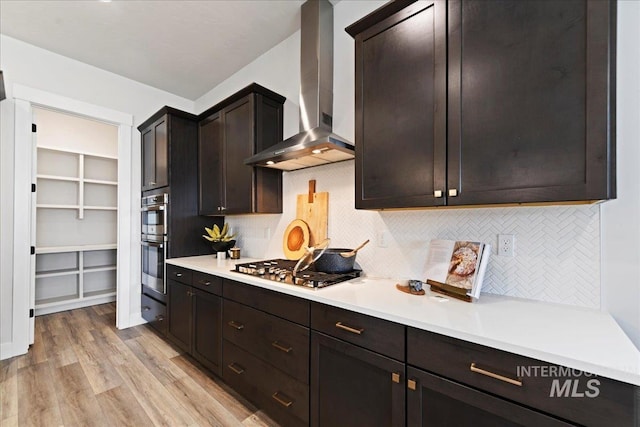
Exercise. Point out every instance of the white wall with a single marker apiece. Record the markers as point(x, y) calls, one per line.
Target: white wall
point(40, 69)
point(621, 217)
point(558, 249)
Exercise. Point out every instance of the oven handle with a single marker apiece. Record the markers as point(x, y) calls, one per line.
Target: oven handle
point(153, 208)
point(154, 244)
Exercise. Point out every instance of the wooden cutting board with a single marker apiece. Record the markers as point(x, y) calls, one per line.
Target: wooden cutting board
point(313, 208)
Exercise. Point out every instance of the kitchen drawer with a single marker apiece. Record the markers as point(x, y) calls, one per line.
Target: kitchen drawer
point(283, 344)
point(279, 304)
point(436, 401)
point(207, 282)
point(375, 334)
point(179, 274)
point(282, 397)
point(155, 313)
point(569, 394)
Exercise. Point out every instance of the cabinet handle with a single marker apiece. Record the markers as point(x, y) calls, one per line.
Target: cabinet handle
point(152, 183)
point(222, 208)
point(349, 329)
point(453, 192)
point(437, 193)
point(238, 370)
point(411, 384)
point(277, 398)
point(189, 293)
point(178, 274)
point(234, 325)
point(159, 318)
point(204, 282)
point(145, 308)
point(277, 345)
point(477, 370)
point(395, 377)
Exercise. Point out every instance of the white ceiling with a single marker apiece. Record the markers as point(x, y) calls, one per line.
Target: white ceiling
point(183, 47)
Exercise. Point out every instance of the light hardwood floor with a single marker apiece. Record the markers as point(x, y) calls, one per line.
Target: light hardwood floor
point(82, 371)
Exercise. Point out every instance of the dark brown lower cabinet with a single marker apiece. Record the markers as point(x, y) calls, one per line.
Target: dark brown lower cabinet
point(285, 399)
point(207, 340)
point(179, 307)
point(155, 313)
point(436, 401)
point(351, 386)
point(194, 323)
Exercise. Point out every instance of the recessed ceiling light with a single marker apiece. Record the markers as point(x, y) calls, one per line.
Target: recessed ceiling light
point(317, 151)
point(271, 162)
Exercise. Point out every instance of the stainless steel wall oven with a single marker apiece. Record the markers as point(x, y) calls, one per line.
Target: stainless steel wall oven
point(154, 241)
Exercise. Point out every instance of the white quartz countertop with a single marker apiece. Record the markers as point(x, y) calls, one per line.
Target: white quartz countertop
point(583, 339)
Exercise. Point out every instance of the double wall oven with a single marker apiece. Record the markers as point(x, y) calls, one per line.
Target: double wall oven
point(155, 211)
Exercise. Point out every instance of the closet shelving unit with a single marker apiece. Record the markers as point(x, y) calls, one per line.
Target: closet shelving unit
point(75, 264)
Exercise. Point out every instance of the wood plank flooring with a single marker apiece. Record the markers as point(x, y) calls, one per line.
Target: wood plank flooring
point(82, 371)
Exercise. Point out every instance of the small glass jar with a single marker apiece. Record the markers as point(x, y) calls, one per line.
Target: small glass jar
point(235, 253)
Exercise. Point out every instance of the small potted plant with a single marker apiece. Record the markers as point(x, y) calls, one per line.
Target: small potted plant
point(220, 240)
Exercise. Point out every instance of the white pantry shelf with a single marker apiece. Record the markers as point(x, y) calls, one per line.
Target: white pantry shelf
point(58, 178)
point(74, 248)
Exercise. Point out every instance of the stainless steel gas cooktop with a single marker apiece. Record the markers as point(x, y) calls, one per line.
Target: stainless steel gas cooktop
point(281, 270)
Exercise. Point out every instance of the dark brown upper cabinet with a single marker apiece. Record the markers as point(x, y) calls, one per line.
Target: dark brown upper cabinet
point(486, 102)
point(236, 128)
point(400, 103)
point(155, 154)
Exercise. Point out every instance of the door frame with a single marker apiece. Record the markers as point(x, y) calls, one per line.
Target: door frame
point(24, 98)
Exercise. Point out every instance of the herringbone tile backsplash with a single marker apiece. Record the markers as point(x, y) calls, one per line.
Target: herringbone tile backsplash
point(557, 248)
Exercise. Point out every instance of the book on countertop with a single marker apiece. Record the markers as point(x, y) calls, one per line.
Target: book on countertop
point(457, 268)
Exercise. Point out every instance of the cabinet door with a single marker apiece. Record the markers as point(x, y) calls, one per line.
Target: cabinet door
point(530, 89)
point(207, 332)
point(155, 156)
point(435, 401)
point(179, 308)
point(210, 155)
point(239, 143)
point(351, 386)
point(400, 109)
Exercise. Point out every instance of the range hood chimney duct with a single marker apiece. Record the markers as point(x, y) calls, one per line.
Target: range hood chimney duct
point(316, 144)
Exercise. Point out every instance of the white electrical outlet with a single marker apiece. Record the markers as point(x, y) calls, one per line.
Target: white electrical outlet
point(506, 245)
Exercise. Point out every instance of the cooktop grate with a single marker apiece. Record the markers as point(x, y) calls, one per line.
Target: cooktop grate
point(281, 270)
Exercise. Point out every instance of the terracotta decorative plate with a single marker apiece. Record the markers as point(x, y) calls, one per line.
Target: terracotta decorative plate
point(296, 239)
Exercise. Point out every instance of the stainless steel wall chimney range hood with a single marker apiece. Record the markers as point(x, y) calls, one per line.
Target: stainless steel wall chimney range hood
point(316, 144)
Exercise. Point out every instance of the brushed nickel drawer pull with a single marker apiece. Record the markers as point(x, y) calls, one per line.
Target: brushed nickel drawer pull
point(277, 398)
point(159, 318)
point(178, 274)
point(411, 384)
point(350, 329)
point(204, 282)
point(395, 377)
point(280, 347)
point(238, 370)
point(477, 370)
point(234, 325)
point(146, 308)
